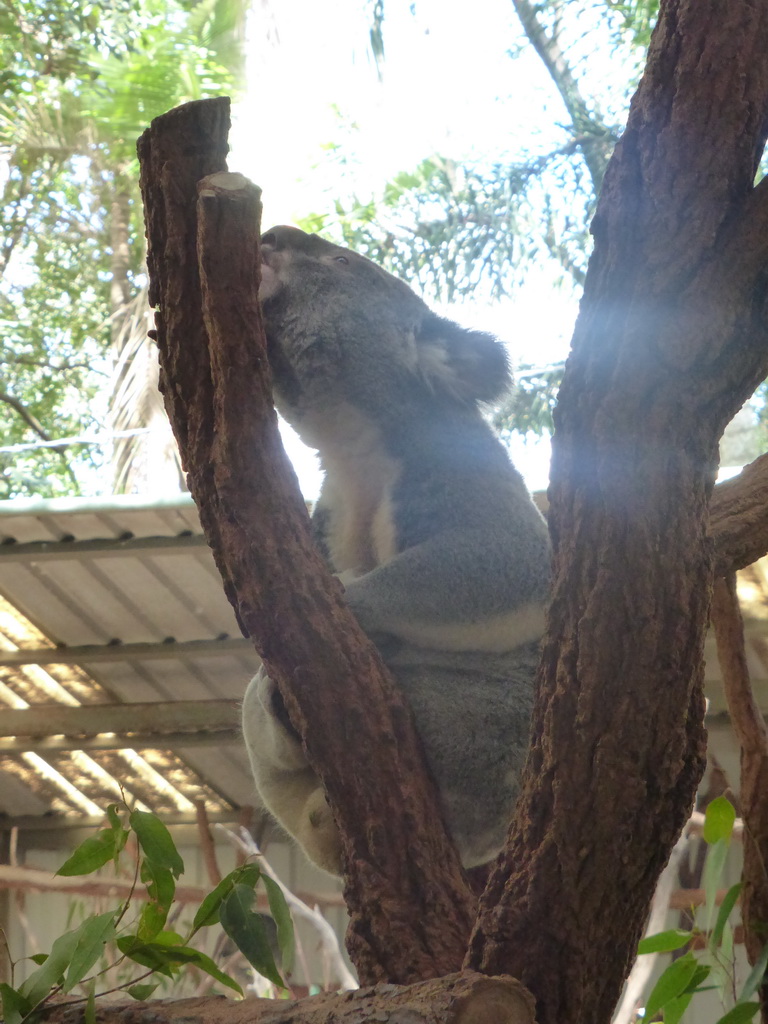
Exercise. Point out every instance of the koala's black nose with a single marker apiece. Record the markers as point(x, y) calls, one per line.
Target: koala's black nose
point(283, 237)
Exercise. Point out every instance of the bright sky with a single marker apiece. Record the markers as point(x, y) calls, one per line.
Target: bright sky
point(449, 86)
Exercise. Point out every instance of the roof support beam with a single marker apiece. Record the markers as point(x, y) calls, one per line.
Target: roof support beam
point(90, 654)
point(45, 550)
point(151, 725)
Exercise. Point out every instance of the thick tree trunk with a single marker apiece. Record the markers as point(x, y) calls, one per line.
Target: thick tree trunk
point(672, 337)
point(410, 909)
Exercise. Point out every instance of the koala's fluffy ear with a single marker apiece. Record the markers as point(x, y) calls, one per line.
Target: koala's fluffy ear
point(471, 366)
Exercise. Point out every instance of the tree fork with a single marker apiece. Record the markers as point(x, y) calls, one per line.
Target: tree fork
point(671, 338)
point(411, 911)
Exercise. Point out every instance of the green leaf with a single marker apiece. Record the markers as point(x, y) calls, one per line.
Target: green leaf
point(95, 933)
point(92, 854)
point(121, 833)
point(142, 992)
point(169, 938)
point(740, 1013)
point(206, 964)
point(156, 842)
point(719, 819)
point(89, 1011)
point(151, 921)
point(675, 1008)
point(664, 942)
point(208, 911)
point(756, 975)
point(159, 882)
point(161, 889)
point(247, 931)
point(167, 956)
point(151, 955)
point(15, 1005)
point(113, 817)
point(672, 983)
point(729, 902)
point(701, 973)
point(283, 920)
point(714, 866)
point(40, 982)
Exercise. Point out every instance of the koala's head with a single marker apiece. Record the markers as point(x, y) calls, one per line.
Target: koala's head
point(342, 329)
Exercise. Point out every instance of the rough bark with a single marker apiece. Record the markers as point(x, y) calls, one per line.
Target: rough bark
point(672, 336)
point(410, 909)
point(752, 734)
point(738, 519)
point(456, 999)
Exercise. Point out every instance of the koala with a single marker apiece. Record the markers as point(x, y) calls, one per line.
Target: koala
point(444, 557)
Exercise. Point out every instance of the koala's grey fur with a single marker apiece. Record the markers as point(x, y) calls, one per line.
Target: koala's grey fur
point(443, 554)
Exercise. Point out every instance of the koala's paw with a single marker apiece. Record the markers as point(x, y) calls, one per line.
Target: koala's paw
point(268, 734)
point(348, 576)
point(318, 834)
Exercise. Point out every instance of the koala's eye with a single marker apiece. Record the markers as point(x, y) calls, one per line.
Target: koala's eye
point(341, 259)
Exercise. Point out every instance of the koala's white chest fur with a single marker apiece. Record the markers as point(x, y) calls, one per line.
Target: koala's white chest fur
point(357, 492)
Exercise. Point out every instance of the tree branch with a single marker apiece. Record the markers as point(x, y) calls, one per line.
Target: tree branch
point(587, 126)
point(456, 999)
point(410, 909)
point(29, 418)
point(738, 518)
point(752, 734)
point(34, 423)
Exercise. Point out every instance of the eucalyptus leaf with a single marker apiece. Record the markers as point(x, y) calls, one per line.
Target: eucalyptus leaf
point(89, 1010)
point(95, 933)
point(714, 866)
point(672, 983)
point(151, 921)
point(740, 1014)
point(208, 911)
point(148, 955)
point(283, 921)
point(113, 816)
point(169, 938)
point(664, 942)
point(719, 819)
point(156, 842)
point(729, 902)
point(205, 963)
point(247, 931)
point(93, 853)
point(142, 992)
point(49, 974)
point(160, 883)
point(756, 975)
point(701, 973)
point(15, 1005)
point(675, 1008)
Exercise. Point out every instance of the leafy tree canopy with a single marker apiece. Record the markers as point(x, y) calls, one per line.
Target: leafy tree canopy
point(79, 81)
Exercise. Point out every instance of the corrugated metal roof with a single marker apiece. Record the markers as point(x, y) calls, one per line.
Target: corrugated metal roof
point(99, 575)
point(128, 594)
